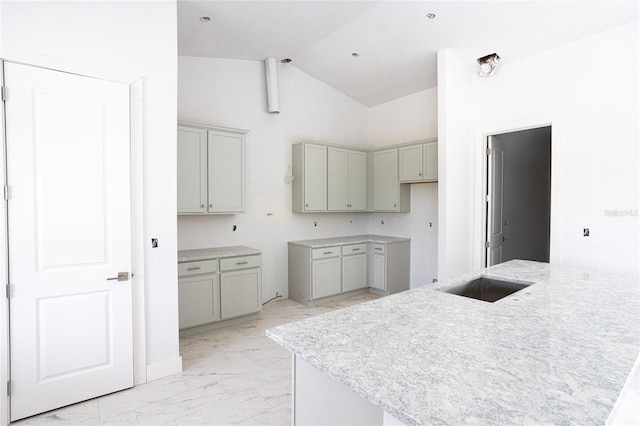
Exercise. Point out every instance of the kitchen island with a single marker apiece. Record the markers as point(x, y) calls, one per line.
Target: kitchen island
point(557, 352)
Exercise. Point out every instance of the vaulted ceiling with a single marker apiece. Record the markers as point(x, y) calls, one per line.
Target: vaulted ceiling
point(377, 51)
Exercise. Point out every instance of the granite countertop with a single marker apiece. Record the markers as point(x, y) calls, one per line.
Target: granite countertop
point(353, 239)
point(215, 253)
point(557, 352)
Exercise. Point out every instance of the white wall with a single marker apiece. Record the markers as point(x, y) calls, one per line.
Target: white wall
point(232, 93)
point(598, 108)
point(455, 166)
point(139, 38)
point(408, 119)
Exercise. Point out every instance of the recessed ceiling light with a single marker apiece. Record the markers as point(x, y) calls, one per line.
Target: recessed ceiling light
point(355, 54)
point(431, 15)
point(204, 19)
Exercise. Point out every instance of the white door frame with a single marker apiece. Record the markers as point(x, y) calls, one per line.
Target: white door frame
point(480, 190)
point(137, 237)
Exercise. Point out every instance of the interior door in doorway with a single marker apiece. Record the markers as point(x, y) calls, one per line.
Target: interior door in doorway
point(67, 144)
point(495, 203)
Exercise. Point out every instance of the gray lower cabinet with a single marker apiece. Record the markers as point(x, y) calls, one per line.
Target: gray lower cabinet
point(378, 266)
point(198, 293)
point(354, 267)
point(316, 273)
point(240, 284)
point(218, 289)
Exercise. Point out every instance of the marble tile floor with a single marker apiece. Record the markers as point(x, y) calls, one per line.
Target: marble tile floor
point(236, 376)
point(231, 376)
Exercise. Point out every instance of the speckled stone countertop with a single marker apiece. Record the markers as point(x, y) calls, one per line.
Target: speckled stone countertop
point(353, 239)
point(557, 352)
point(215, 253)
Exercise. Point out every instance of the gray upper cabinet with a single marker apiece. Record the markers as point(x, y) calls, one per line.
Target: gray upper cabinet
point(418, 162)
point(310, 178)
point(347, 179)
point(192, 170)
point(388, 194)
point(211, 169)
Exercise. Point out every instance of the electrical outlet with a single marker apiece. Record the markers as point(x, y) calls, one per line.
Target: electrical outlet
point(234, 228)
point(585, 232)
point(154, 243)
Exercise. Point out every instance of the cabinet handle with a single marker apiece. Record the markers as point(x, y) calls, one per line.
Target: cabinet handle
point(419, 174)
point(355, 249)
point(327, 252)
point(195, 268)
point(378, 248)
point(210, 205)
point(242, 263)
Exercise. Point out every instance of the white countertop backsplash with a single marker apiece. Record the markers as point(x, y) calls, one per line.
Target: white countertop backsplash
point(558, 351)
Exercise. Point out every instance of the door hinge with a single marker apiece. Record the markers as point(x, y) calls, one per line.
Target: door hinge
point(488, 151)
point(9, 388)
point(4, 93)
point(6, 192)
point(487, 244)
point(8, 290)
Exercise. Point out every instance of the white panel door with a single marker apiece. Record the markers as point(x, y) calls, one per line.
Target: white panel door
point(69, 235)
point(495, 206)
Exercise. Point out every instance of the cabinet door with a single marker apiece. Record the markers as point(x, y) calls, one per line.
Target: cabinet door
point(337, 179)
point(357, 180)
point(198, 300)
point(379, 272)
point(326, 277)
point(192, 170)
point(240, 292)
point(430, 161)
point(354, 272)
point(410, 158)
point(385, 180)
point(315, 177)
point(226, 171)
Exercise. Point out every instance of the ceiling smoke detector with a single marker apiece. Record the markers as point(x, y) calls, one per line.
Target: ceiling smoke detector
point(488, 64)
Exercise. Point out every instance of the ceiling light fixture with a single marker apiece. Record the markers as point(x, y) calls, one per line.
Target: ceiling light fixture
point(205, 19)
point(431, 15)
point(488, 64)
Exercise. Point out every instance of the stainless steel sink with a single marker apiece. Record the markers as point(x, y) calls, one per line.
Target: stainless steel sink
point(485, 288)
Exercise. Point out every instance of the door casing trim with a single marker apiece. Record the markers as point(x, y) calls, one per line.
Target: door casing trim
point(480, 185)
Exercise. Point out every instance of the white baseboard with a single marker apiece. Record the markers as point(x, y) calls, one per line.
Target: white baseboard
point(163, 369)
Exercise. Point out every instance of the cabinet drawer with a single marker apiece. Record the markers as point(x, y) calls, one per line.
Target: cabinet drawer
point(354, 248)
point(379, 248)
point(197, 267)
point(231, 263)
point(321, 253)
